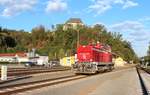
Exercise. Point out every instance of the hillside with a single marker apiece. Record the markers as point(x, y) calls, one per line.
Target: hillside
point(59, 42)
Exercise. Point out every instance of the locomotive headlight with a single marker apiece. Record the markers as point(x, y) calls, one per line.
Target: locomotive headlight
point(91, 60)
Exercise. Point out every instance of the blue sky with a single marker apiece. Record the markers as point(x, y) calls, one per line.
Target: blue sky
point(129, 17)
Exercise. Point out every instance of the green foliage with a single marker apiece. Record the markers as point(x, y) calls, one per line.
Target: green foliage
point(59, 43)
point(6, 41)
point(147, 58)
point(10, 42)
point(148, 51)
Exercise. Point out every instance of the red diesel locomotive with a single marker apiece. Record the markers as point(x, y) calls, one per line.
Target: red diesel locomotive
point(93, 58)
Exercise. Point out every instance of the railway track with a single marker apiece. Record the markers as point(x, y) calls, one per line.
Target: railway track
point(12, 89)
point(28, 71)
point(21, 87)
point(145, 90)
point(32, 68)
point(147, 70)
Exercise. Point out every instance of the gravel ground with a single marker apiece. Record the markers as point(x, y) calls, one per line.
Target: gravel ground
point(41, 76)
point(122, 82)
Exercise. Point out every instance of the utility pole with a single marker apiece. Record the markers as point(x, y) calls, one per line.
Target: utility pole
point(78, 38)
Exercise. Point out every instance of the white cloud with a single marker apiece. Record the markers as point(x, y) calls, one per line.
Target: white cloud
point(56, 5)
point(129, 4)
point(134, 31)
point(144, 19)
point(101, 6)
point(140, 36)
point(128, 26)
point(119, 1)
point(13, 7)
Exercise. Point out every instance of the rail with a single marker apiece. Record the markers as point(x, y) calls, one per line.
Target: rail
point(12, 89)
point(34, 71)
point(144, 89)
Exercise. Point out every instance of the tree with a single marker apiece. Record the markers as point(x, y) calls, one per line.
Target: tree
point(61, 53)
point(0, 29)
point(58, 42)
point(148, 51)
point(10, 42)
point(2, 41)
point(38, 36)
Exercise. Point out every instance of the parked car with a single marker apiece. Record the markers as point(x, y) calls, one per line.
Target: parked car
point(30, 64)
point(54, 63)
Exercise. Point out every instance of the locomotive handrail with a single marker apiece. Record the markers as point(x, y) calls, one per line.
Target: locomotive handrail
point(101, 50)
point(105, 51)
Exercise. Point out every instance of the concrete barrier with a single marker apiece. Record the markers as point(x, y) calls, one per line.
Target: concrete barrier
point(3, 72)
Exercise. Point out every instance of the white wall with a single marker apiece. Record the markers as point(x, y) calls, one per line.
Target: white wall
point(42, 60)
point(23, 59)
point(7, 59)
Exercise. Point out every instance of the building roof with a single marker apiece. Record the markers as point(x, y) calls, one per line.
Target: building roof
point(20, 54)
point(6, 54)
point(74, 20)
